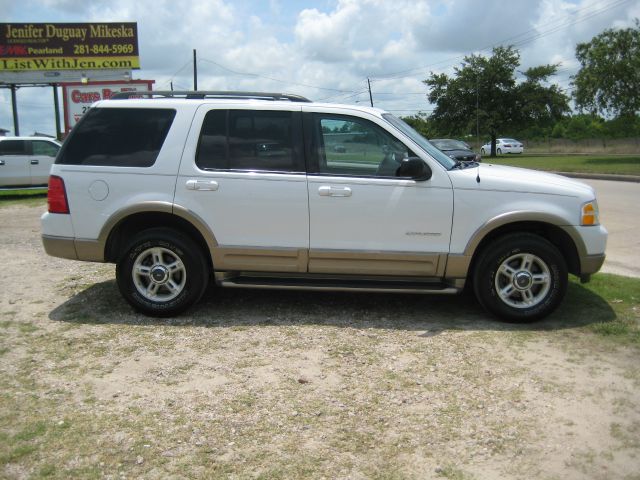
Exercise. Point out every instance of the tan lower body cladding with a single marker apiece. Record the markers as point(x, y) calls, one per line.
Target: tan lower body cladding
point(328, 261)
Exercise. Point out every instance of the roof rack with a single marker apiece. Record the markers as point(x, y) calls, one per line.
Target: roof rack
point(197, 94)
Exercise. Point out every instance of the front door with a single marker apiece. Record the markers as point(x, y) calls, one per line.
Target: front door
point(364, 219)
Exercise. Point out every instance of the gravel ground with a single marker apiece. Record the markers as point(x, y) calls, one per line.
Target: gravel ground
point(266, 384)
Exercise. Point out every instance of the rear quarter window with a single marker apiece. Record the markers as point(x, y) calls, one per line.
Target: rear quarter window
point(118, 137)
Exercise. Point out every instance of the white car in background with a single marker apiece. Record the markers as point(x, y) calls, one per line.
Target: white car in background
point(26, 161)
point(503, 145)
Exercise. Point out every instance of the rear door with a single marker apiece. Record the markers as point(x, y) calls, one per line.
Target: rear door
point(43, 153)
point(14, 163)
point(243, 174)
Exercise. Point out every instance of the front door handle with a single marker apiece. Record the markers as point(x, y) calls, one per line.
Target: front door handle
point(328, 191)
point(35, 161)
point(210, 185)
point(1, 162)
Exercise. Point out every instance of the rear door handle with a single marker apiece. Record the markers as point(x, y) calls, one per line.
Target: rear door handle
point(1, 162)
point(210, 185)
point(35, 161)
point(328, 191)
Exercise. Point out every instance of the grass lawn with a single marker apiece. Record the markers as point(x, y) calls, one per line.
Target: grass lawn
point(612, 300)
point(23, 197)
point(616, 164)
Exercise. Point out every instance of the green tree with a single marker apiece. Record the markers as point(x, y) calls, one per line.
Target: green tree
point(484, 89)
point(583, 126)
point(421, 124)
point(608, 81)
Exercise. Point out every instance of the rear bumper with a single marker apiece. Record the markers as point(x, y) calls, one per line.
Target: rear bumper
point(60, 247)
point(73, 249)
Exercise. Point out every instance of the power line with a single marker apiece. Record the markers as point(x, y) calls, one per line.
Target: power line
point(189, 62)
point(288, 82)
point(563, 24)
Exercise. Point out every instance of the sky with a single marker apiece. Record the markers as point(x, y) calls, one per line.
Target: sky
point(326, 49)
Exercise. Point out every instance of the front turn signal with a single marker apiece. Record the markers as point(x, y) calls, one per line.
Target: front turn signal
point(590, 215)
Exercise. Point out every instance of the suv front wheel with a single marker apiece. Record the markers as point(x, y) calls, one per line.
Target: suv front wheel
point(520, 277)
point(162, 272)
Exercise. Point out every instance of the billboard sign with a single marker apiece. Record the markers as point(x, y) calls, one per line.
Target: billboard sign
point(28, 47)
point(78, 97)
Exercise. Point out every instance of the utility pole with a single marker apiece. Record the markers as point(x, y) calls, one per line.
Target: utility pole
point(370, 96)
point(477, 115)
point(56, 108)
point(14, 106)
point(195, 70)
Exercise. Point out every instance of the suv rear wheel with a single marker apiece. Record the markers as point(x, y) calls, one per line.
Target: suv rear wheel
point(162, 272)
point(520, 277)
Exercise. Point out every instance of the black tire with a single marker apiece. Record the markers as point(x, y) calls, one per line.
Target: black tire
point(520, 277)
point(162, 272)
point(499, 151)
point(482, 152)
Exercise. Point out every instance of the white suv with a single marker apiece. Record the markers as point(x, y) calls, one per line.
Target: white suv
point(275, 191)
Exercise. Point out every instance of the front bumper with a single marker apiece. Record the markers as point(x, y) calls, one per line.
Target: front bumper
point(591, 264)
point(591, 243)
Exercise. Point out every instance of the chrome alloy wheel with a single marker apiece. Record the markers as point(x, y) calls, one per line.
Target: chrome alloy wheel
point(523, 280)
point(159, 274)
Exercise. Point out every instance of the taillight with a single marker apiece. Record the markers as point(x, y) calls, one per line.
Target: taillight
point(57, 195)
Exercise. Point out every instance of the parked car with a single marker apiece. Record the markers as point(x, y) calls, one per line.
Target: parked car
point(456, 149)
point(503, 145)
point(26, 161)
point(173, 189)
point(339, 148)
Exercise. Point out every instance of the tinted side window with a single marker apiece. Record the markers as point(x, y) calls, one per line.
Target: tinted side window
point(355, 146)
point(212, 147)
point(119, 137)
point(47, 149)
point(13, 147)
point(248, 140)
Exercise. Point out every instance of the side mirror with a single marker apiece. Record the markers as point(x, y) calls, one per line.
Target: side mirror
point(414, 168)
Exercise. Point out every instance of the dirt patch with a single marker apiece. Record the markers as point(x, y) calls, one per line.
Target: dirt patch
point(289, 385)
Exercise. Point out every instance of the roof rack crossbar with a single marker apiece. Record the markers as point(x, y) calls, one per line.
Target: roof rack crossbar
point(198, 94)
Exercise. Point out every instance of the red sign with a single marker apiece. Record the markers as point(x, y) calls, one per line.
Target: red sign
point(78, 97)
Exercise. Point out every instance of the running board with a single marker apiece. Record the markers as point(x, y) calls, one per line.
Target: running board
point(329, 284)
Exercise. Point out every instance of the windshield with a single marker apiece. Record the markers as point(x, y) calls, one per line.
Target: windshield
point(447, 144)
point(422, 142)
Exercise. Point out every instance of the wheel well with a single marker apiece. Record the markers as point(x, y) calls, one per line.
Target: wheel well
point(555, 235)
point(133, 224)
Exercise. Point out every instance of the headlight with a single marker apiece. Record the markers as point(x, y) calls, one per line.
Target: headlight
point(590, 214)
